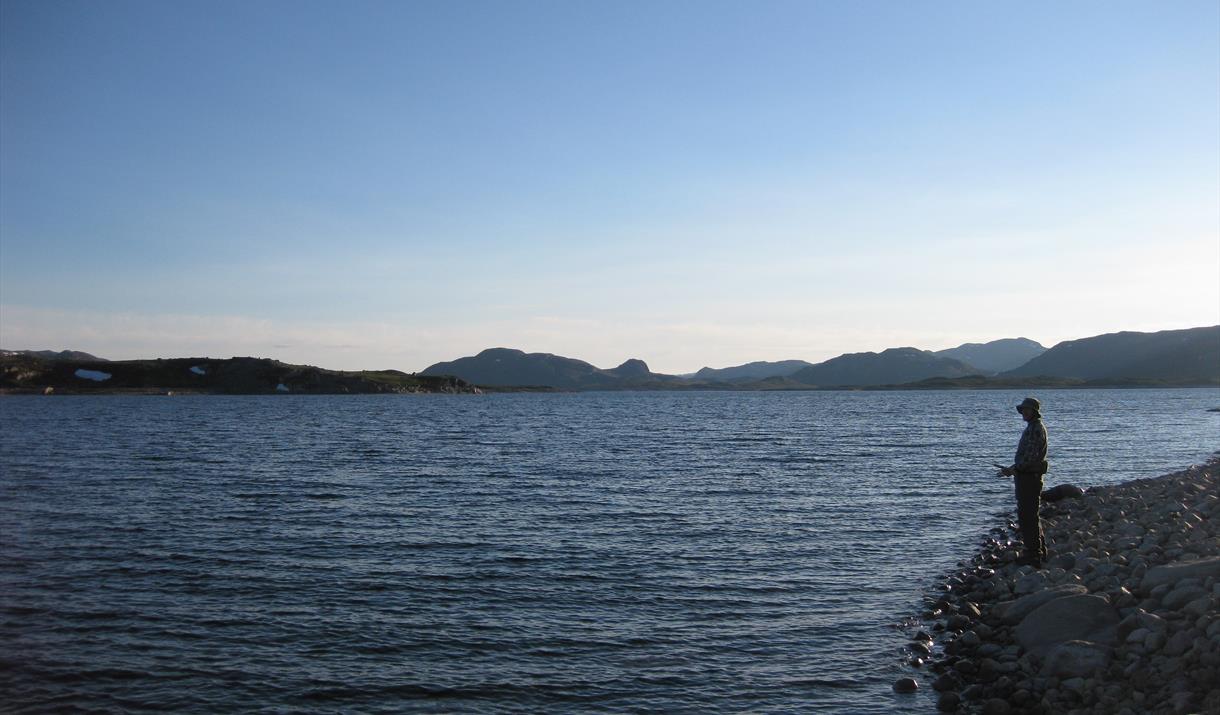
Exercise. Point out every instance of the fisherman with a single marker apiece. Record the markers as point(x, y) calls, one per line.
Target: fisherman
point(1028, 469)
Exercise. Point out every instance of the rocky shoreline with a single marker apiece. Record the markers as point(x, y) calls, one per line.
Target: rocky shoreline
point(1123, 618)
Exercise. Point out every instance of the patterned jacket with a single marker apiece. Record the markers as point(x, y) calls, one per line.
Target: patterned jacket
point(1031, 450)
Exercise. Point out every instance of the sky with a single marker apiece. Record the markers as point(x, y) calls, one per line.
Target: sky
point(372, 185)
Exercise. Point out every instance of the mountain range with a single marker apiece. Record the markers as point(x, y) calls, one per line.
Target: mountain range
point(1171, 357)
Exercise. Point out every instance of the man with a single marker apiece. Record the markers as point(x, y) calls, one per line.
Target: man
point(1028, 469)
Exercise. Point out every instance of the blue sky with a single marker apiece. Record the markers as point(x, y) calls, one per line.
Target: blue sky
point(370, 185)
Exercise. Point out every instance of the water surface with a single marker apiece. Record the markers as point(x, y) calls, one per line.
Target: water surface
point(600, 552)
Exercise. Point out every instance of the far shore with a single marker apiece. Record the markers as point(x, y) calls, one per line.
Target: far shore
point(535, 389)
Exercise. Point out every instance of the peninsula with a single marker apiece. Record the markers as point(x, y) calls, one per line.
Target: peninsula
point(28, 373)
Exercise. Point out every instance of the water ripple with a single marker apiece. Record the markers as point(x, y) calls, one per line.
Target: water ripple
point(656, 552)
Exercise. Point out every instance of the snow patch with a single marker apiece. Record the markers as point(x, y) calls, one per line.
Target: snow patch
point(95, 375)
point(198, 370)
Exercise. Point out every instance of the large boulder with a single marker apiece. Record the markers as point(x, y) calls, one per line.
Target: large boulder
point(1063, 491)
point(1072, 618)
point(1013, 612)
point(1172, 573)
point(1075, 659)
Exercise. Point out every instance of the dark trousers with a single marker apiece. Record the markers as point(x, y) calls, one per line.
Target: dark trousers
point(1029, 492)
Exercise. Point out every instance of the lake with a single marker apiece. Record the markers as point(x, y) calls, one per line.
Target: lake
point(590, 552)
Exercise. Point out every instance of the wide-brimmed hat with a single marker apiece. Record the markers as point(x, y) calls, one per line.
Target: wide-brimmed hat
point(1030, 402)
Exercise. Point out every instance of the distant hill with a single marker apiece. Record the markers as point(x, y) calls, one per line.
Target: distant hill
point(889, 367)
point(1180, 356)
point(997, 355)
point(505, 367)
point(53, 355)
point(631, 369)
point(243, 376)
point(751, 371)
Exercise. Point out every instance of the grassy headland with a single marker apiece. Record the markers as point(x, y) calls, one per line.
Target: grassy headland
point(232, 376)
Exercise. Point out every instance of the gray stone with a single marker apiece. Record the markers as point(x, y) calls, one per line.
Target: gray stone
point(1128, 624)
point(1075, 659)
point(948, 702)
point(1137, 636)
point(1123, 598)
point(1152, 622)
point(1178, 643)
point(905, 685)
point(1155, 641)
point(1131, 529)
point(987, 668)
point(996, 706)
point(990, 650)
point(1175, 599)
point(1172, 573)
point(1030, 583)
point(1003, 686)
point(1013, 612)
point(1079, 617)
point(1198, 607)
point(1213, 629)
point(1181, 702)
point(1063, 561)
